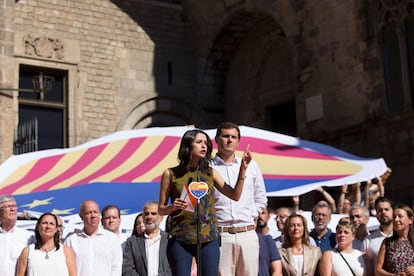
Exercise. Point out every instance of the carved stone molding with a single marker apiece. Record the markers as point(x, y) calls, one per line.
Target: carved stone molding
point(42, 46)
point(392, 10)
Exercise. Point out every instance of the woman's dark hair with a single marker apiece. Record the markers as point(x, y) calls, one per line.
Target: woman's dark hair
point(134, 230)
point(305, 237)
point(184, 153)
point(38, 242)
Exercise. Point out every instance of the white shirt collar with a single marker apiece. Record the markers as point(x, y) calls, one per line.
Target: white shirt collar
point(217, 159)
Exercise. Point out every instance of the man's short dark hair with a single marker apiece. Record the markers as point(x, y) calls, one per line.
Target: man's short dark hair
point(107, 207)
point(227, 125)
point(383, 199)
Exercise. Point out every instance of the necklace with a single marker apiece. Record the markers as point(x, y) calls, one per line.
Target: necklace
point(47, 252)
point(297, 251)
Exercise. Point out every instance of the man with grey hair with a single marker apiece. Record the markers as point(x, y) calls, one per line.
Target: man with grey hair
point(282, 213)
point(146, 253)
point(323, 236)
point(12, 238)
point(359, 216)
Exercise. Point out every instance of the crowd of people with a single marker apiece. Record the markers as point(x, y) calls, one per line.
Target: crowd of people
point(217, 224)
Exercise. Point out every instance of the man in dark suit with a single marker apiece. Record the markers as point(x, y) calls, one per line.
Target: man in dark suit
point(146, 253)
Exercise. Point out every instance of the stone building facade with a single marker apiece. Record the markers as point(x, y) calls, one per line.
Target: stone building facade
point(336, 72)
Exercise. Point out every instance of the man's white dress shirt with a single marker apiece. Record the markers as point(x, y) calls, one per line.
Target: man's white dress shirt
point(253, 198)
point(11, 245)
point(152, 250)
point(97, 255)
point(372, 244)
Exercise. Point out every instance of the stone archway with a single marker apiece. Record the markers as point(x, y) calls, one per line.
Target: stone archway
point(160, 111)
point(250, 67)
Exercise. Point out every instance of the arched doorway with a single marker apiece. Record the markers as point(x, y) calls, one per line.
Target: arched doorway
point(160, 111)
point(249, 74)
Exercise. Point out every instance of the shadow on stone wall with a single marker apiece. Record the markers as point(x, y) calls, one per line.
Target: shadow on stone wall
point(165, 32)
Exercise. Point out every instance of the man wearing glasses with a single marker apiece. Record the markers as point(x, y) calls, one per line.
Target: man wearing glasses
point(12, 239)
point(323, 236)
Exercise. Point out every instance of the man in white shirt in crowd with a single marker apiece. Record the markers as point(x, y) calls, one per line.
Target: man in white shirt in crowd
point(359, 216)
point(239, 251)
point(97, 251)
point(60, 228)
point(111, 221)
point(282, 213)
point(384, 208)
point(12, 238)
point(146, 253)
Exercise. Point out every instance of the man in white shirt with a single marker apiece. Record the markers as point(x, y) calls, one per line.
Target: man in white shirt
point(12, 238)
point(282, 214)
point(146, 253)
point(97, 251)
point(372, 243)
point(60, 228)
point(359, 216)
point(239, 251)
point(111, 221)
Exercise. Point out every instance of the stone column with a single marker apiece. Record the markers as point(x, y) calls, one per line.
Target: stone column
point(7, 75)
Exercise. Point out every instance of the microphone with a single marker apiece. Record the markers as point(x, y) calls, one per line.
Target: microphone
point(201, 164)
point(200, 167)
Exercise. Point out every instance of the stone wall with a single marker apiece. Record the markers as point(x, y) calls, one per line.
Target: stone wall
point(333, 56)
point(7, 71)
point(114, 50)
point(140, 63)
point(325, 53)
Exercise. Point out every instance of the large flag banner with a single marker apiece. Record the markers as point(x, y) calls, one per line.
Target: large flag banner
point(124, 169)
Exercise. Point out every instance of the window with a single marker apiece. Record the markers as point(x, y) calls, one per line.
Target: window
point(409, 34)
point(281, 118)
point(392, 69)
point(395, 22)
point(46, 109)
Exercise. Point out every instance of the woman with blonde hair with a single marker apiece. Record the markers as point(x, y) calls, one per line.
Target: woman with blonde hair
point(297, 255)
point(396, 254)
point(344, 260)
